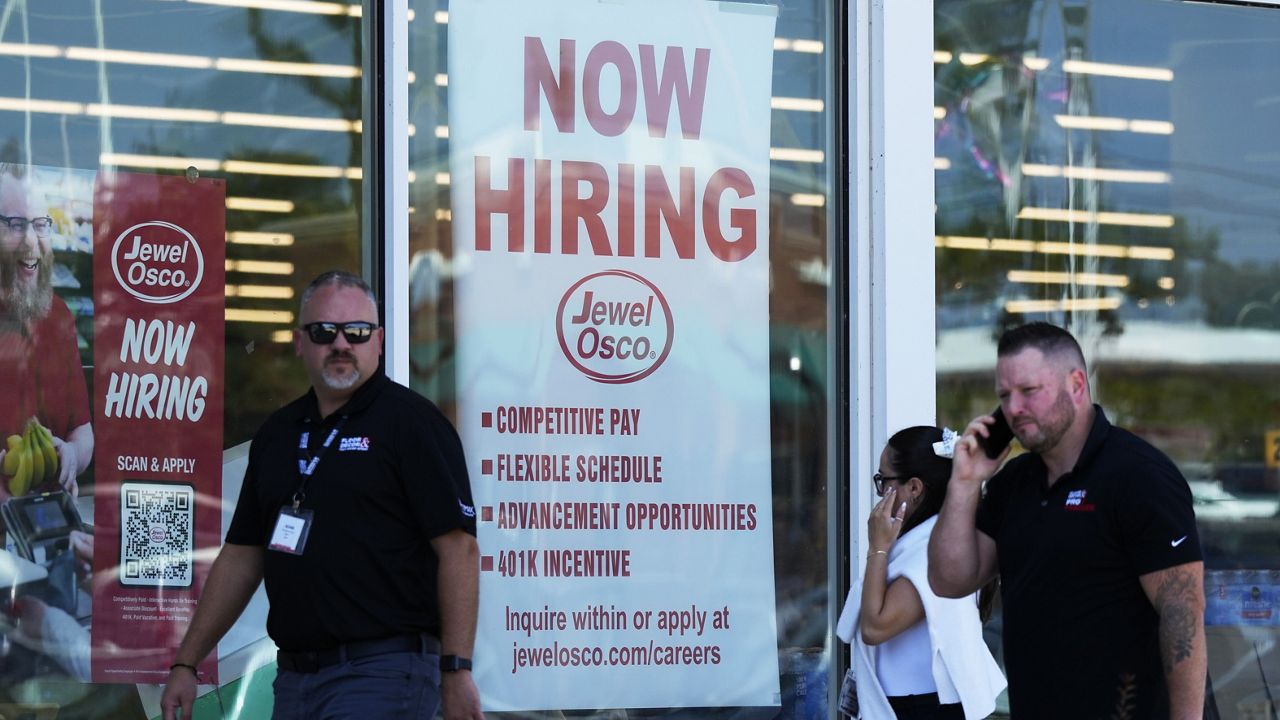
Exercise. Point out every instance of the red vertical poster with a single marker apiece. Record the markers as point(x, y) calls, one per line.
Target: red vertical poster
point(158, 288)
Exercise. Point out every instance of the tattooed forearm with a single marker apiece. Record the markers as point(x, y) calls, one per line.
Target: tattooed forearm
point(1177, 594)
point(1178, 602)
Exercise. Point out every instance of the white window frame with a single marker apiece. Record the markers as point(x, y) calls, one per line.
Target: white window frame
point(893, 361)
point(394, 205)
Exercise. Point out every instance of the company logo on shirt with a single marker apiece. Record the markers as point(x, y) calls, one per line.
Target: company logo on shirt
point(354, 443)
point(467, 510)
point(1076, 501)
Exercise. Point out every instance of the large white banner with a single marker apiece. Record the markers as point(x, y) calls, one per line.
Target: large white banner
point(610, 187)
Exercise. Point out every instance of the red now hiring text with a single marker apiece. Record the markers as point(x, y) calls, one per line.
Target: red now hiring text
point(649, 198)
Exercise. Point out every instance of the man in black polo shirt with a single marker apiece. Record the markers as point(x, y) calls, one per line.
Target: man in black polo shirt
point(1094, 537)
point(356, 511)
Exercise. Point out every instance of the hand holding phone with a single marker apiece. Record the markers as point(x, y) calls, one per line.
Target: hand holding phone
point(999, 435)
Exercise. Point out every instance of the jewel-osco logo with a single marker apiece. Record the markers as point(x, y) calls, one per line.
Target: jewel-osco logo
point(157, 262)
point(615, 326)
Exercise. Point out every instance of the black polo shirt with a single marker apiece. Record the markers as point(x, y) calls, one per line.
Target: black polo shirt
point(392, 479)
point(1080, 637)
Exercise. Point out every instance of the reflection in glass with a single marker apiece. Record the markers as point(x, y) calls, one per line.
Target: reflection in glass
point(1111, 167)
point(802, 154)
point(267, 98)
point(263, 94)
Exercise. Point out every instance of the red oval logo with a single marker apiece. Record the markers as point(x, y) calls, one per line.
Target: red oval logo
point(615, 326)
point(157, 262)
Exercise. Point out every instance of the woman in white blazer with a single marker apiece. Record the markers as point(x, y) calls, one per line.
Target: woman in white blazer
point(916, 656)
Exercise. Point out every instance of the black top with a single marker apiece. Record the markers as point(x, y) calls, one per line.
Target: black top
point(393, 479)
point(1080, 636)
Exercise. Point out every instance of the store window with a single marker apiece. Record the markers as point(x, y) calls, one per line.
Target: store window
point(1111, 167)
point(259, 103)
point(461, 353)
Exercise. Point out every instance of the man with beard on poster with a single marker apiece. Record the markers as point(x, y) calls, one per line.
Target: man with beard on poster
point(40, 371)
point(41, 377)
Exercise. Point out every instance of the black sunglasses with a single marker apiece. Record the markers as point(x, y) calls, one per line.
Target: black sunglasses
point(879, 479)
point(324, 333)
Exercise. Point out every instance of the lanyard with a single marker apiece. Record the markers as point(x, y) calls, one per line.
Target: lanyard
point(307, 462)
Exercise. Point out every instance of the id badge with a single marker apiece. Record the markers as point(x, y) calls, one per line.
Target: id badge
point(292, 528)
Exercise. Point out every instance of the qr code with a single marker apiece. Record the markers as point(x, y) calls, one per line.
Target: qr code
point(156, 538)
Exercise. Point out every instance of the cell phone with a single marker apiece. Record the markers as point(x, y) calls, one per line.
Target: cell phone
point(999, 435)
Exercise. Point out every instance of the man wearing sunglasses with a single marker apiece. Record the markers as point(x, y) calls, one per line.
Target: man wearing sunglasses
point(40, 368)
point(356, 510)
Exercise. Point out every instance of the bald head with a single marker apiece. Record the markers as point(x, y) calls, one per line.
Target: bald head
point(13, 200)
point(26, 255)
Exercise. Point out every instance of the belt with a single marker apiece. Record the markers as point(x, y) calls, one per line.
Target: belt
point(316, 660)
point(904, 702)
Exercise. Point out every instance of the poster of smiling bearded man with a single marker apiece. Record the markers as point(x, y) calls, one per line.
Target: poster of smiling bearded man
point(46, 439)
point(45, 401)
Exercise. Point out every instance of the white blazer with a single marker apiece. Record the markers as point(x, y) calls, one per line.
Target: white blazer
point(962, 667)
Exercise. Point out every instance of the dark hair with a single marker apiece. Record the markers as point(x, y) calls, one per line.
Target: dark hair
point(911, 455)
point(342, 279)
point(1049, 339)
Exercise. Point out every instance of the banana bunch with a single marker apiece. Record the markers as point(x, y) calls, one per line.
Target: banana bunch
point(31, 458)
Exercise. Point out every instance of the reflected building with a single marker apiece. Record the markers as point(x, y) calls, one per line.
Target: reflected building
point(1105, 166)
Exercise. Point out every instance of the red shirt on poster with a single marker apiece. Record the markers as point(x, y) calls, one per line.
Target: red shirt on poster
point(41, 375)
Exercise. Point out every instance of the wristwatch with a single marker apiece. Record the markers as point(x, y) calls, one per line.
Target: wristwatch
point(453, 663)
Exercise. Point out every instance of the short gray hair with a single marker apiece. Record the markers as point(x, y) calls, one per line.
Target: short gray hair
point(339, 278)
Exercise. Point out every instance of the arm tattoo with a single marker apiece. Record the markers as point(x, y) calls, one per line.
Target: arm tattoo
point(1176, 604)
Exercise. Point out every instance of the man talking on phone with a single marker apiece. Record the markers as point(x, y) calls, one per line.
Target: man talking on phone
point(1093, 534)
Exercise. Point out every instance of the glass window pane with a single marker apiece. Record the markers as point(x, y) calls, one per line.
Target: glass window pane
point(800, 381)
point(266, 96)
point(267, 99)
point(1111, 167)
